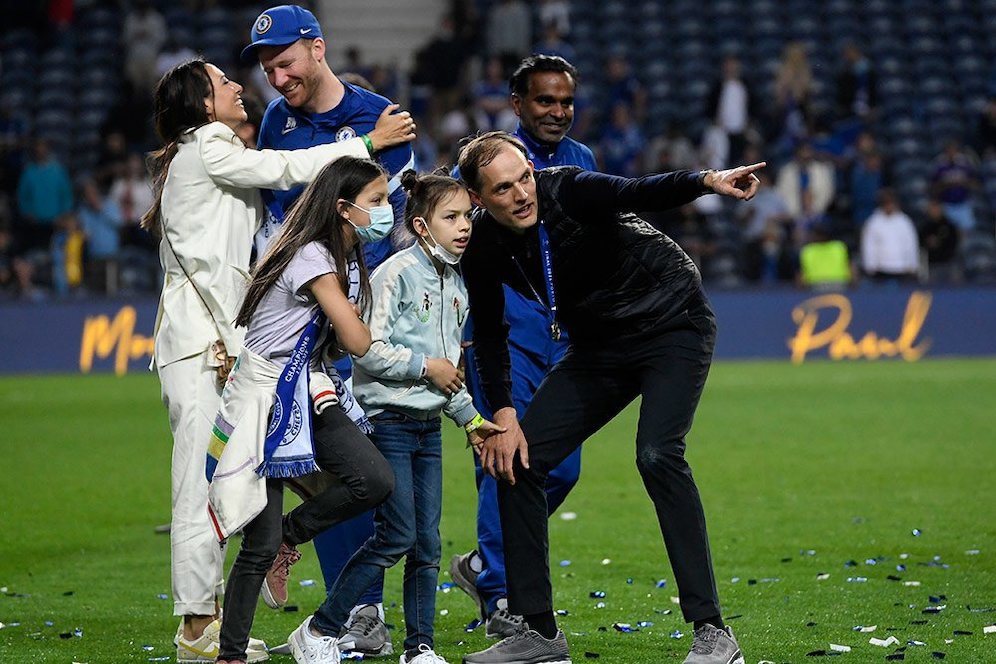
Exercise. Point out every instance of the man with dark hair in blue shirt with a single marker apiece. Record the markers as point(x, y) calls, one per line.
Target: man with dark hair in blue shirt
point(317, 107)
point(542, 95)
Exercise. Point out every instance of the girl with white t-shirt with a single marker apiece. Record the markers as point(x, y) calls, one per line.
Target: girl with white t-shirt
point(306, 294)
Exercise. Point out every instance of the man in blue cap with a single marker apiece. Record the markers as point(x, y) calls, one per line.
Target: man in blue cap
point(317, 107)
point(542, 91)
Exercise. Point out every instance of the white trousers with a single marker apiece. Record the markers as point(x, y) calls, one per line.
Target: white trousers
point(192, 396)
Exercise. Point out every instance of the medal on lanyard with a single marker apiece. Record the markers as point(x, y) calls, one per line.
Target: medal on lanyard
point(551, 296)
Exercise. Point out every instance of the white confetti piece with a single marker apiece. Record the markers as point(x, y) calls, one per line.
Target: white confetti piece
point(307, 582)
point(911, 583)
point(676, 600)
point(972, 552)
point(822, 577)
point(867, 629)
point(568, 516)
point(885, 643)
point(989, 629)
point(606, 561)
point(839, 648)
point(444, 612)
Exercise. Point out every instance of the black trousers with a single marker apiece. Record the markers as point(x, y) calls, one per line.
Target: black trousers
point(365, 481)
point(581, 394)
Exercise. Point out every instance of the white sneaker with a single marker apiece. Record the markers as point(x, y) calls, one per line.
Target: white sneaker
point(310, 649)
point(255, 652)
point(425, 656)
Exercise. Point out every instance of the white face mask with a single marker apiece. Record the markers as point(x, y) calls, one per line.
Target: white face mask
point(437, 251)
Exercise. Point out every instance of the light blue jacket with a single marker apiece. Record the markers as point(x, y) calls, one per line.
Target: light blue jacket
point(416, 314)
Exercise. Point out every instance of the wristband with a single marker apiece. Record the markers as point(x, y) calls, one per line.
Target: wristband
point(474, 424)
point(369, 143)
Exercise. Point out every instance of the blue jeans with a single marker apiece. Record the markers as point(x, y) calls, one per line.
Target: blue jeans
point(405, 525)
point(533, 354)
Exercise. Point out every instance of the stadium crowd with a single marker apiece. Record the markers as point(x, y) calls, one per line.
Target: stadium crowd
point(834, 209)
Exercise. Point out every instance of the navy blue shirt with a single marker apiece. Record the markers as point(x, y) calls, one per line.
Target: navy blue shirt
point(287, 128)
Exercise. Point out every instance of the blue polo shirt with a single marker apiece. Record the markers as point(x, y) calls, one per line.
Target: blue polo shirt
point(287, 128)
point(567, 152)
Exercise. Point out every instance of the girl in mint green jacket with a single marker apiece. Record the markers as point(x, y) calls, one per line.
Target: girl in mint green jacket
point(404, 382)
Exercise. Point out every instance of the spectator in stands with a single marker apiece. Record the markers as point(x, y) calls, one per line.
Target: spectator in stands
point(144, 36)
point(510, 31)
point(622, 87)
point(824, 263)
point(765, 217)
point(206, 208)
point(101, 221)
point(112, 162)
point(557, 12)
point(889, 248)
point(793, 89)
point(954, 180)
point(857, 95)
point(680, 150)
point(940, 238)
point(621, 145)
point(986, 130)
point(491, 109)
point(806, 173)
point(730, 105)
point(172, 54)
point(552, 42)
point(66, 248)
point(132, 193)
point(867, 177)
point(44, 193)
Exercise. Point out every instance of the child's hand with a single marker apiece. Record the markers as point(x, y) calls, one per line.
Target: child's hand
point(443, 375)
point(477, 437)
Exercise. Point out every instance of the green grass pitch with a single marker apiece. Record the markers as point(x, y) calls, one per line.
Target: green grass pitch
point(802, 470)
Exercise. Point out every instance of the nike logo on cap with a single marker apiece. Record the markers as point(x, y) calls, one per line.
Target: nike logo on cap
point(304, 32)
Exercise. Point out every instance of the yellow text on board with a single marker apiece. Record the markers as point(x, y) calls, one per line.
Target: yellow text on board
point(841, 345)
point(104, 336)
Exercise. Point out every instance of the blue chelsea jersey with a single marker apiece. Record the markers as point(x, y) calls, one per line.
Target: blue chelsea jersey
point(567, 152)
point(286, 128)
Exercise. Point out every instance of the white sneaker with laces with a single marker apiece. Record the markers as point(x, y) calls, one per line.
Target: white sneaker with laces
point(310, 649)
point(425, 656)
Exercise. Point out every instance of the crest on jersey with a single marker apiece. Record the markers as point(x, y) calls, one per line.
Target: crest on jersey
point(344, 134)
point(263, 23)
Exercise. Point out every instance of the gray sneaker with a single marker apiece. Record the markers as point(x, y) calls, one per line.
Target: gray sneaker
point(526, 646)
point(466, 579)
point(712, 645)
point(501, 624)
point(366, 634)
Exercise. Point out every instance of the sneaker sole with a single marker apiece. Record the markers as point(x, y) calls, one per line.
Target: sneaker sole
point(384, 651)
point(737, 658)
point(465, 584)
point(269, 599)
point(530, 661)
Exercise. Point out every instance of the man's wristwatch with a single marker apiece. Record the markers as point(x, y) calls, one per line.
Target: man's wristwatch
point(702, 178)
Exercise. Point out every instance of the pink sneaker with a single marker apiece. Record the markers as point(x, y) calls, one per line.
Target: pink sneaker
point(275, 583)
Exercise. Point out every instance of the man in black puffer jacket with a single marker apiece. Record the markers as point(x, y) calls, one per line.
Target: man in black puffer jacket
point(640, 325)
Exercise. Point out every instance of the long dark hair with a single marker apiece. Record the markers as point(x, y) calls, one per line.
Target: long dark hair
point(315, 218)
point(178, 105)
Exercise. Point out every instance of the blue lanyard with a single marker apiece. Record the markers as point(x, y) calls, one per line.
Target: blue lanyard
point(551, 296)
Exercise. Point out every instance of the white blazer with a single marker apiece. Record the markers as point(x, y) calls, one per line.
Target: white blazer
point(211, 208)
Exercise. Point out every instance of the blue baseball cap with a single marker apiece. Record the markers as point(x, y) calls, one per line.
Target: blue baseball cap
point(280, 26)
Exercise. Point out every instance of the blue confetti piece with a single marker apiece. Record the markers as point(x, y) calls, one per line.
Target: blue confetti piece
point(662, 583)
point(565, 563)
point(644, 623)
point(871, 561)
point(676, 634)
point(446, 585)
point(857, 579)
point(623, 627)
point(595, 594)
point(49, 623)
point(900, 567)
point(78, 632)
point(307, 582)
point(162, 596)
point(629, 582)
point(472, 625)
point(917, 532)
point(148, 648)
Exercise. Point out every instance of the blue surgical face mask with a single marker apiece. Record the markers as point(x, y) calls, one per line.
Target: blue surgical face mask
point(437, 250)
point(381, 221)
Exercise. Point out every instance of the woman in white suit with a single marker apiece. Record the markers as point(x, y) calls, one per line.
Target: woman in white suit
point(207, 209)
